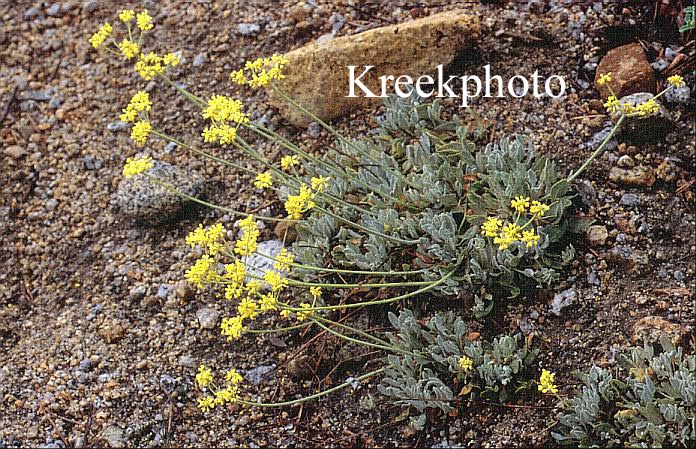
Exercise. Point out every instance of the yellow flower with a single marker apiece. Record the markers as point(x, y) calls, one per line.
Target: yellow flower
point(539, 209)
point(126, 15)
point(236, 272)
point(320, 183)
point(263, 180)
point(144, 21)
point(248, 224)
point(222, 109)
point(612, 104)
point(511, 230)
point(530, 238)
point(315, 292)
point(149, 66)
point(202, 271)
point(647, 108)
point(283, 260)
point(204, 376)
point(237, 76)
point(100, 36)
point(136, 166)
point(268, 301)
point(288, 162)
point(546, 384)
point(676, 81)
point(223, 134)
point(247, 243)
point(230, 394)
point(307, 312)
point(465, 363)
point(233, 328)
point(275, 280)
point(253, 287)
point(206, 403)
point(261, 71)
point(508, 235)
point(604, 78)
point(520, 203)
point(140, 131)
point(248, 308)
point(296, 205)
point(208, 239)
point(171, 59)
point(490, 226)
point(233, 377)
point(139, 103)
point(235, 290)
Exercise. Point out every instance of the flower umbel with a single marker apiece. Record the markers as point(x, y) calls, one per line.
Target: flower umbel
point(263, 180)
point(100, 36)
point(490, 227)
point(144, 21)
point(546, 384)
point(136, 166)
point(604, 78)
point(140, 132)
point(204, 376)
point(465, 363)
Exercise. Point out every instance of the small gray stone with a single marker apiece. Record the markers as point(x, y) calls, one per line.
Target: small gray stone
point(596, 235)
point(314, 130)
point(117, 126)
point(163, 291)
point(31, 13)
point(199, 60)
point(85, 364)
point(114, 436)
point(170, 147)
point(593, 278)
point(587, 192)
point(54, 103)
point(14, 151)
point(630, 200)
point(91, 6)
point(625, 161)
point(187, 361)
point(54, 10)
point(207, 317)
point(145, 200)
point(256, 375)
point(38, 95)
point(52, 204)
point(248, 29)
point(28, 106)
point(562, 300)
point(92, 163)
point(678, 94)
point(679, 275)
point(137, 292)
point(659, 65)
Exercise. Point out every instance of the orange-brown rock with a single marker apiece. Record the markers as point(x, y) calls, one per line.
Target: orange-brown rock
point(630, 71)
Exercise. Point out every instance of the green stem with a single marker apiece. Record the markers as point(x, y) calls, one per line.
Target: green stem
point(355, 340)
point(314, 396)
point(597, 152)
point(280, 329)
point(294, 283)
point(352, 329)
point(214, 206)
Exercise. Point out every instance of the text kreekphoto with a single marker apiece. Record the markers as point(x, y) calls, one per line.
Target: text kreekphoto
point(469, 86)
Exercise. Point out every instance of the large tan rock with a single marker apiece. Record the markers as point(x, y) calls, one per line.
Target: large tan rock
point(318, 78)
point(630, 71)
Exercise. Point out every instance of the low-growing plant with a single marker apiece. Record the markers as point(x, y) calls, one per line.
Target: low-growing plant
point(653, 404)
point(441, 349)
point(420, 209)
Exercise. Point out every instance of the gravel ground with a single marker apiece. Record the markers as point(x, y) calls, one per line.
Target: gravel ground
point(100, 338)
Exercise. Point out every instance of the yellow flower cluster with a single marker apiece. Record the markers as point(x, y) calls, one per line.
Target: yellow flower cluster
point(221, 396)
point(222, 111)
point(647, 108)
point(211, 239)
point(152, 65)
point(140, 131)
point(546, 384)
point(139, 103)
point(283, 260)
point(260, 72)
point(263, 180)
point(204, 376)
point(604, 79)
point(136, 166)
point(289, 161)
point(676, 81)
point(100, 36)
point(504, 236)
point(247, 243)
point(144, 21)
point(126, 15)
point(298, 204)
point(465, 363)
point(202, 272)
point(306, 312)
point(129, 49)
point(233, 328)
